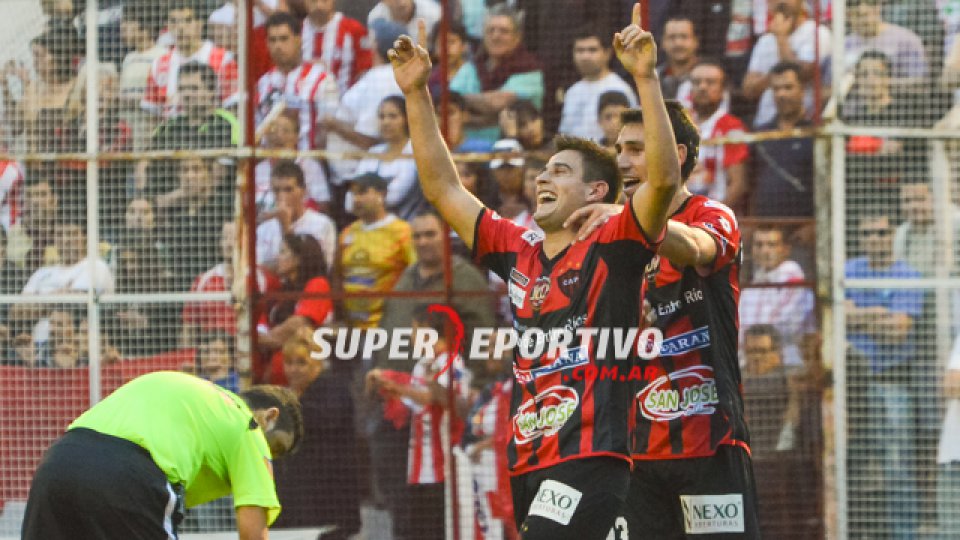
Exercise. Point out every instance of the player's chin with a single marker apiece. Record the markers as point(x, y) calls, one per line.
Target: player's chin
point(630, 187)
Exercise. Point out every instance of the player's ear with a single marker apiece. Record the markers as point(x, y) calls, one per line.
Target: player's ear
point(682, 153)
point(597, 191)
point(267, 418)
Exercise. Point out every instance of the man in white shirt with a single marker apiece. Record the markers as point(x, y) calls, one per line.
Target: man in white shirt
point(789, 308)
point(792, 37)
point(291, 216)
point(406, 13)
point(591, 56)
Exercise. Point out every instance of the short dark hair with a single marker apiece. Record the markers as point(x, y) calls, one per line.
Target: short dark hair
point(611, 98)
point(280, 18)
point(713, 62)
point(681, 17)
point(207, 76)
point(454, 98)
point(786, 65)
point(290, 419)
point(287, 168)
point(145, 14)
point(598, 164)
point(313, 262)
point(590, 31)
point(198, 11)
point(63, 45)
point(525, 110)
point(426, 212)
point(684, 130)
point(760, 330)
point(874, 54)
point(769, 228)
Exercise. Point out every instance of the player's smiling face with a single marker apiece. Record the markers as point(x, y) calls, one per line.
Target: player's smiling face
point(631, 157)
point(561, 190)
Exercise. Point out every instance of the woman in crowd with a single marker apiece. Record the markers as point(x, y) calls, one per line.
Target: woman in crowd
point(302, 269)
point(404, 197)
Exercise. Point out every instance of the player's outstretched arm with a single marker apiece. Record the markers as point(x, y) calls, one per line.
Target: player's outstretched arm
point(637, 52)
point(438, 175)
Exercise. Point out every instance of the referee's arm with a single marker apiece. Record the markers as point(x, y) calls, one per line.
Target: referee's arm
point(252, 522)
point(439, 180)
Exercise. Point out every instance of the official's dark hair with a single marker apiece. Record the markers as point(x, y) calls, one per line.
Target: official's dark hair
point(598, 164)
point(684, 130)
point(264, 396)
point(281, 18)
point(784, 66)
point(287, 168)
point(611, 98)
point(207, 76)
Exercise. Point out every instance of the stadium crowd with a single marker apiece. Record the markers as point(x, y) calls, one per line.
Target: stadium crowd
point(168, 79)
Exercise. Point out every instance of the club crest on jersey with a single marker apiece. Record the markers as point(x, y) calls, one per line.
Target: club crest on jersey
point(544, 414)
point(541, 288)
point(686, 392)
point(569, 282)
point(652, 269)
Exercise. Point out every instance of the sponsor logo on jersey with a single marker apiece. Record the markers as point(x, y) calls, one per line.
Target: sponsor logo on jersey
point(652, 269)
point(517, 276)
point(569, 282)
point(517, 294)
point(569, 359)
point(710, 514)
point(540, 291)
point(555, 501)
point(691, 340)
point(686, 392)
point(532, 237)
point(544, 414)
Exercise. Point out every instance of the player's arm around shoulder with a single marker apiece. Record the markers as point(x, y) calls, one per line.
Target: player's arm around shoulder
point(438, 175)
point(637, 52)
point(707, 242)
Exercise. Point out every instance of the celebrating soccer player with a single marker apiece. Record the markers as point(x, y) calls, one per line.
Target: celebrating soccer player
point(569, 456)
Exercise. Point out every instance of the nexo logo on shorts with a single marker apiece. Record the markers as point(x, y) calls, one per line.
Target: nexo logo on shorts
point(708, 514)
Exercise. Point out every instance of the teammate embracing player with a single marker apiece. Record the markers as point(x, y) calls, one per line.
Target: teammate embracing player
point(692, 475)
point(570, 453)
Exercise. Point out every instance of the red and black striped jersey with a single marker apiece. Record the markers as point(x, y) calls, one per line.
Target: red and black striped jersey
point(691, 401)
point(595, 283)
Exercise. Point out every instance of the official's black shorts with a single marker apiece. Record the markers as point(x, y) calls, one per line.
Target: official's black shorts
point(579, 499)
point(91, 486)
point(699, 498)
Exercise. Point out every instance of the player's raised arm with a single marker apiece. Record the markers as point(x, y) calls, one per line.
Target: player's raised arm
point(637, 52)
point(438, 175)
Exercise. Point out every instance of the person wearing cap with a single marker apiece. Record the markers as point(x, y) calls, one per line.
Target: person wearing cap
point(373, 251)
point(405, 13)
point(355, 124)
point(126, 467)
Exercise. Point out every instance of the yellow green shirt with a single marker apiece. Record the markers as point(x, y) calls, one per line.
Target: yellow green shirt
point(372, 258)
point(199, 434)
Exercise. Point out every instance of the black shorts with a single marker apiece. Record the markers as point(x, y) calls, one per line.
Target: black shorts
point(696, 498)
point(97, 487)
point(579, 499)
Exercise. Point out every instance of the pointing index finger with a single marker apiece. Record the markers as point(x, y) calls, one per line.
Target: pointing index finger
point(637, 18)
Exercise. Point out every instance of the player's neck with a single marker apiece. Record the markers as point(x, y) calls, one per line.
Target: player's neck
point(556, 241)
point(678, 199)
point(320, 18)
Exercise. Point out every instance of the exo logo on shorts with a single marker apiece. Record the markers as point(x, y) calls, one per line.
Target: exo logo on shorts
point(556, 501)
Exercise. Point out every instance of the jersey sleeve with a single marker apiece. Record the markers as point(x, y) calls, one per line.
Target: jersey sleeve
point(250, 470)
point(626, 226)
point(496, 241)
point(154, 96)
point(717, 220)
point(316, 309)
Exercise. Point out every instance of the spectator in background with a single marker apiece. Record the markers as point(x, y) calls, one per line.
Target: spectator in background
point(139, 29)
point(508, 173)
point(215, 360)
point(916, 238)
point(792, 37)
point(337, 41)
point(11, 193)
point(355, 124)
point(766, 394)
point(302, 269)
point(457, 116)
point(223, 30)
point(783, 168)
point(475, 176)
point(680, 54)
point(610, 106)
point(721, 170)
point(506, 70)
point(427, 396)
point(789, 308)
point(461, 71)
point(191, 217)
point(405, 13)
point(923, 18)
point(141, 265)
point(294, 84)
point(185, 22)
point(373, 252)
point(201, 317)
point(880, 325)
point(591, 56)
point(291, 216)
point(868, 31)
point(948, 454)
point(283, 134)
point(30, 243)
point(523, 121)
point(404, 197)
point(319, 485)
